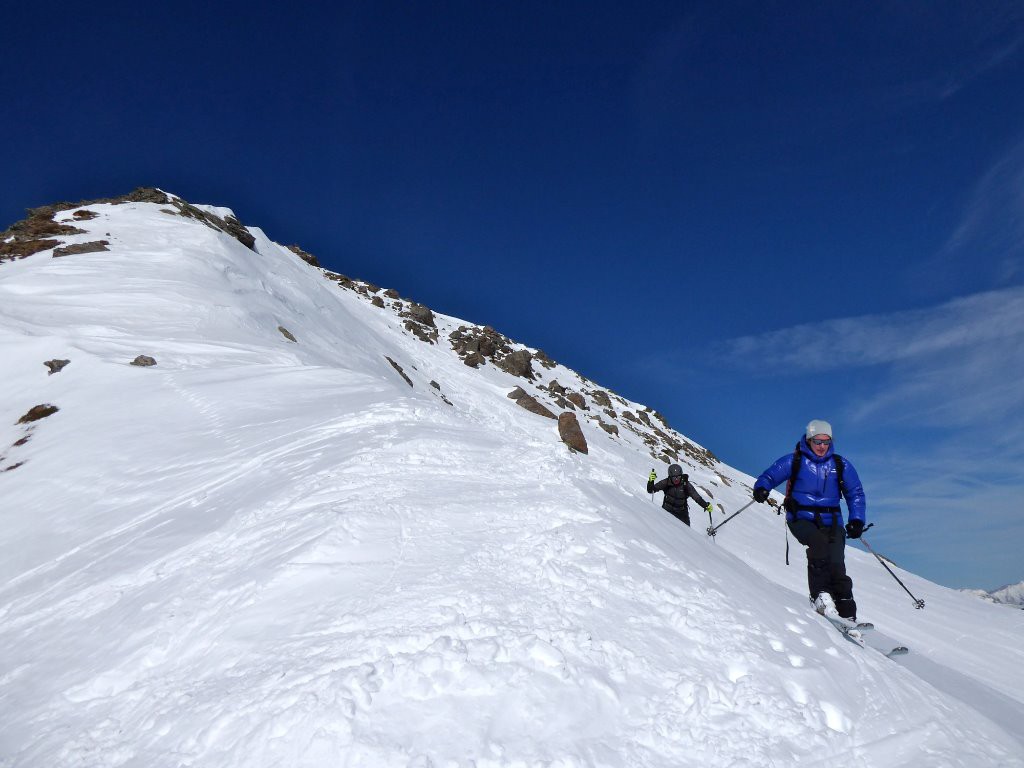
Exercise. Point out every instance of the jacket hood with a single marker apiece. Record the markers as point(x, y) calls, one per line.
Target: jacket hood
point(806, 450)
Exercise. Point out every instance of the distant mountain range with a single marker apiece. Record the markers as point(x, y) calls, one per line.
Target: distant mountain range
point(1011, 594)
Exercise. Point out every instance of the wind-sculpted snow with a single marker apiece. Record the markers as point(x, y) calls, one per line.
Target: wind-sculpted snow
point(264, 553)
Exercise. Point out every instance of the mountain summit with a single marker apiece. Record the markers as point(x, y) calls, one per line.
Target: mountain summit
point(260, 514)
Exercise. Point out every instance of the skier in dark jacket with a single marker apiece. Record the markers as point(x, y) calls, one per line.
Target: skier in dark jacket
point(678, 491)
point(815, 517)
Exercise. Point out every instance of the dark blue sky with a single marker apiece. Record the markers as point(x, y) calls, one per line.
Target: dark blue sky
point(745, 214)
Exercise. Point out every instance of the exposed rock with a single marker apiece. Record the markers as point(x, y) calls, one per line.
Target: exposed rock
point(474, 360)
point(140, 195)
point(398, 368)
point(611, 429)
point(437, 386)
point(645, 419)
point(230, 225)
point(13, 466)
point(342, 280)
point(516, 393)
point(530, 403)
point(391, 293)
point(38, 412)
point(421, 314)
point(372, 288)
point(570, 432)
point(84, 215)
point(518, 364)
point(486, 342)
point(144, 361)
point(309, 258)
point(601, 398)
point(55, 366)
point(702, 455)
point(556, 388)
point(544, 360)
point(577, 399)
point(419, 330)
point(611, 413)
point(69, 250)
point(377, 301)
point(22, 441)
point(34, 233)
point(286, 333)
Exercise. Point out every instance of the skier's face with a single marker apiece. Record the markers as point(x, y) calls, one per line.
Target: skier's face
point(820, 444)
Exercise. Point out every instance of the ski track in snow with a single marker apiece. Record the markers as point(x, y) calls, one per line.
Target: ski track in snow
point(316, 565)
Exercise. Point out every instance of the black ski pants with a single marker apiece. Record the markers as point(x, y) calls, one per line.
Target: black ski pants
point(826, 563)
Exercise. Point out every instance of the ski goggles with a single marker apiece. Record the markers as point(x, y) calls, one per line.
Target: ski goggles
point(816, 441)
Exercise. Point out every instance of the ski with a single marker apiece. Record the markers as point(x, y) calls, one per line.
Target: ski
point(852, 632)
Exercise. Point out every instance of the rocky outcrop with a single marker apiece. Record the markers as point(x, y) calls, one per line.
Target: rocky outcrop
point(228, 225)
point(398, 368)
point(70, 250)
point(488, 344)
point(420, 322)
point(286, 333)
point(34, 233)
point(38, 412)
point(309, 258)
point(144, 361)
point(530, 403)
point(518, 363)
point(571, 433)
point(55, 366)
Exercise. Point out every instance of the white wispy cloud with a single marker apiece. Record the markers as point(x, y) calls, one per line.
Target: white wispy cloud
point(992, 225)
point(961, 325)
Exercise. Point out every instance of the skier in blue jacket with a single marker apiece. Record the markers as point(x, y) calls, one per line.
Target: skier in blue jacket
point(814, 516)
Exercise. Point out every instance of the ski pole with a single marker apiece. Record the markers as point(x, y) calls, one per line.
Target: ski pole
point(712, 530)
point(917, 603)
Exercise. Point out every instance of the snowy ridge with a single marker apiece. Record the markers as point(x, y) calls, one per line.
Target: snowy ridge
point(1011, 594)
point(264, 552)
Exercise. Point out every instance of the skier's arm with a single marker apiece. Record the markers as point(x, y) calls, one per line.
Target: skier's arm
point(661, 485)
point(692, 493)
point(776, 473)
point(853, 492)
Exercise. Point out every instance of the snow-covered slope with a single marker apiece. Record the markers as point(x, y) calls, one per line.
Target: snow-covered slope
point(266, 552)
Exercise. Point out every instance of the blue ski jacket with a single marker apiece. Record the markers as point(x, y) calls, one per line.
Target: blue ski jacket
point(816, 485)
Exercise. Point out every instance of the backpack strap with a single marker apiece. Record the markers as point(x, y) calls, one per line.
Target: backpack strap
point(839, 473)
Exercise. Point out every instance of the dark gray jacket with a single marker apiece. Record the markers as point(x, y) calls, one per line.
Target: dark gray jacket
point(675, 500)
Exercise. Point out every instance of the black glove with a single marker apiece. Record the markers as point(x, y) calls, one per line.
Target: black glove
point(854, 529)
point(791, 505)
point(761, 495)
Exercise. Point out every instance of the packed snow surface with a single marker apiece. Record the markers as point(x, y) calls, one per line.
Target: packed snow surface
point(262, 552)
